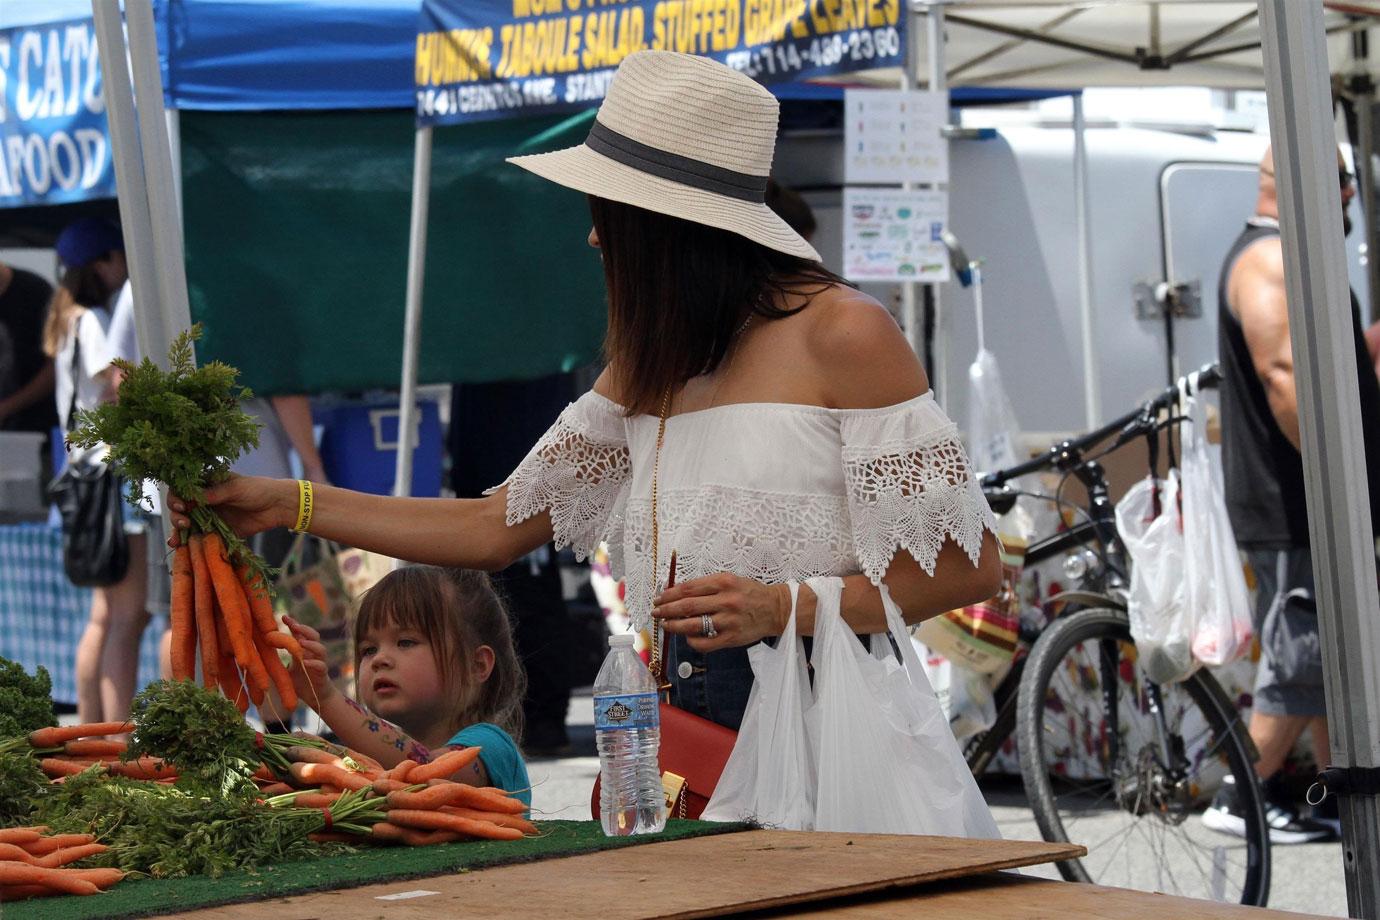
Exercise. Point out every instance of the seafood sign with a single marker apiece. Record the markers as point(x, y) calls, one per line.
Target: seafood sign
point(53, 146)
point(480, 59)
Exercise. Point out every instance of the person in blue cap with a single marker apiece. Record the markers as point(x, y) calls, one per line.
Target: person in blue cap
point(92, 254)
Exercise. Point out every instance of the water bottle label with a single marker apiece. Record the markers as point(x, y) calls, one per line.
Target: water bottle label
point(628, 711)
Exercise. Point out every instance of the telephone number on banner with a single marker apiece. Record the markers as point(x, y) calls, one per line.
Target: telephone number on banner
point(786, 58)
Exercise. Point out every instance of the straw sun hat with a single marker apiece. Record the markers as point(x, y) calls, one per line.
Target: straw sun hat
point(684, 136)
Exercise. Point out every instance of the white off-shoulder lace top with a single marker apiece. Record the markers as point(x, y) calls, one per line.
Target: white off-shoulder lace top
point(770, 491)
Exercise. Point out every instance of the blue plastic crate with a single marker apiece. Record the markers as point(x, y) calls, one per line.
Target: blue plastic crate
point(359, 447)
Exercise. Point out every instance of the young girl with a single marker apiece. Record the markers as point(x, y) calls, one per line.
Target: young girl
point(435, 668)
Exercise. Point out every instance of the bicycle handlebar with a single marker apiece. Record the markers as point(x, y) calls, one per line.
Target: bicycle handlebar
point(1136, 422)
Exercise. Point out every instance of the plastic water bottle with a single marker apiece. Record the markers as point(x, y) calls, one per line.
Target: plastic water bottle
point(627, 728)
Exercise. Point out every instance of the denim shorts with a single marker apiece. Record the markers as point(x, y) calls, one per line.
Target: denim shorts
point(713, 686)
point(1289, 678)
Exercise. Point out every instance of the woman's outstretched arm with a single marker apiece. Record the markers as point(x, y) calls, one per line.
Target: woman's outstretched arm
point(470, 533)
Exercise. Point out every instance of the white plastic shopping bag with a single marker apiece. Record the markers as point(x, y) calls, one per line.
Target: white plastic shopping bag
point(1214, 583)
point(887, 762)
point(1151, 527)
point(770, 776)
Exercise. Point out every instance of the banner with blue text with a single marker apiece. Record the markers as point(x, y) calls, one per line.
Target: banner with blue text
point(480, 59)
point(53, 137)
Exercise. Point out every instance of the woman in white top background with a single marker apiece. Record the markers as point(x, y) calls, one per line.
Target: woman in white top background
point(92, 254)
point(800, 437)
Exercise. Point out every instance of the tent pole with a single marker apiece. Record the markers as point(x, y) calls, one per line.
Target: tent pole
point(160, 186)
point(135, 220)
point(1082, 204)
point(1302, 132)
point(412, 323)
point(938, 83)
point(1365, 166)
point(910, 321)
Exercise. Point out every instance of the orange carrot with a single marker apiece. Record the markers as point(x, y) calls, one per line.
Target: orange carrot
point(315, 799)
point(55, 766)
point(101, 878)
point(445, 765)
point(493, 817)
point(273, 789)
point(94, 747)
point(56, 842)
point(182, 615)
point(143, 768)
point(70, 855)
point(234, 610)
point(403, 769)
point(316, 773)
point(492, 799)
point(286, 642)
point(434, 797)
point(21, 835)
point(440, 821)
point(383, 785)
point(257, 596)
point(203, 596)
point(302, 753)
point(278, 675)
point(57, 736)
point(9, 851)
point(264, 772)
point(20, 874)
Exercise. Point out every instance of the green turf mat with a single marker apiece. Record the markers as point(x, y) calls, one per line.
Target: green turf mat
point(370, 866)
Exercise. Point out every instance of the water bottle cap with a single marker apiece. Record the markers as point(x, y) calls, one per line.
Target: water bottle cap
point(621, 640)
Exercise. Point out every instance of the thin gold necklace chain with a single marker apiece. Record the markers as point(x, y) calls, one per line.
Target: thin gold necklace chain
point(657, 635)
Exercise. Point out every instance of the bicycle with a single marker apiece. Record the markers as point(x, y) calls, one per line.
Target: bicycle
point(1156, 749)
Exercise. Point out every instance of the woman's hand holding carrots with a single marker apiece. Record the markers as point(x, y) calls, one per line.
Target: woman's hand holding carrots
point(249, 504)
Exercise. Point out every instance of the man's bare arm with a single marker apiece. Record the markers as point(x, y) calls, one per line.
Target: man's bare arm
point(1258, 298)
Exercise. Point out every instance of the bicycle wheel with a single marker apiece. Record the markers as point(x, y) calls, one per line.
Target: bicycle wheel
point(1122, 787)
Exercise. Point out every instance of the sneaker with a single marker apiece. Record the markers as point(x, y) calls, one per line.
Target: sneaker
point(1226, 815)
point(1327, 814)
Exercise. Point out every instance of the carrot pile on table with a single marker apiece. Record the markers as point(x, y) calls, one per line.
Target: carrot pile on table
point(196, 790)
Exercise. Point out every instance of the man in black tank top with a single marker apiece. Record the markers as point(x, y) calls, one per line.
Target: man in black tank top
point(1263, 473)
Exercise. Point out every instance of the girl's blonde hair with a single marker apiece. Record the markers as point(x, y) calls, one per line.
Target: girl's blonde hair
point(79, 288)
point(458, 610)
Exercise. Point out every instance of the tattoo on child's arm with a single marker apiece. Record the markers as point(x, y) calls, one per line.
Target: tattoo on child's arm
point(391, 734)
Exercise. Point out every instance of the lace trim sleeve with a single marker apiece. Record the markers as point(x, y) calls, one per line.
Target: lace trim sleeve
point(577, 471)
point(910, 487)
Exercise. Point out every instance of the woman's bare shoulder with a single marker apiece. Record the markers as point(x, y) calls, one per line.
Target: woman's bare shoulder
point(860, 353)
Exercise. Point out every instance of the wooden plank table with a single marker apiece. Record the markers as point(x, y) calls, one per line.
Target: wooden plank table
point(768, 873)
point(675, 880)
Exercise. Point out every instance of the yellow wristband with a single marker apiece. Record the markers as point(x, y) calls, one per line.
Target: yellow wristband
point(304, 505)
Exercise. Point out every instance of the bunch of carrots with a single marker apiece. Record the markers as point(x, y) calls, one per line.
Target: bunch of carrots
point(225, 610)
point(34, 864)
point(412, 803)
point(68, 750)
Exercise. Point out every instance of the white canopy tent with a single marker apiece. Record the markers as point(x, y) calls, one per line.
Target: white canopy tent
point(1211, 43)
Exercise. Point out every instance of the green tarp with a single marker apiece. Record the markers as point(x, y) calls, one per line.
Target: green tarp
point(296, 240)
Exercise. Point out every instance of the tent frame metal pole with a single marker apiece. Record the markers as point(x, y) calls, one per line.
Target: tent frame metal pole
point(1302, 132)
point(412, 319)
point(1091, 398)
point(1365, 166)
point(1013, 44)
point(136, 222)
point(156, 333)
point(934, 37)
point(910, 76)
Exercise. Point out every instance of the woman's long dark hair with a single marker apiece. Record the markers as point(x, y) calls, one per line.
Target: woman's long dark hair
point(678, 291)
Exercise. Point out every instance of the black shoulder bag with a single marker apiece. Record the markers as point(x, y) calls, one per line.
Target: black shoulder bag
point(95, 550)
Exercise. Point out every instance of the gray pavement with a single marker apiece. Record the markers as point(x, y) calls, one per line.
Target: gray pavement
point(1306, 878)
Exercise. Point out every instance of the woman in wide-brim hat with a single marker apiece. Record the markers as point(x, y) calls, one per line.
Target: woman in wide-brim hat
point(776, 417)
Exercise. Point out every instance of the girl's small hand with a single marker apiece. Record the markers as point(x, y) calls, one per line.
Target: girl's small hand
point(249, 504)
point(743, 611)
point(311, 679)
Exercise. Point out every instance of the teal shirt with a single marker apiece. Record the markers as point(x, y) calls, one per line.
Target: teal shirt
point(500, 756)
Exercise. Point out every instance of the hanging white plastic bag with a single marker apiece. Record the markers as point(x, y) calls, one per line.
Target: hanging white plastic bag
point(770, 776)
point(1214, 583)
point(887, 762)
point(1161, 623)
point(992, 423)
